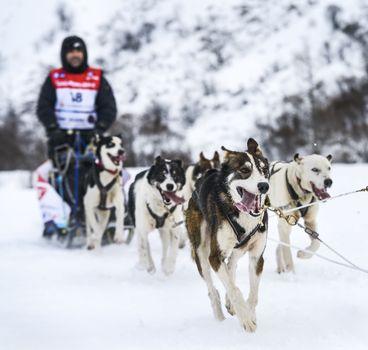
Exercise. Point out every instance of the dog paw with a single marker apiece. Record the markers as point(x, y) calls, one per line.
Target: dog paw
point(248, 319)
point(230, 309)
point(304, 255)
point(216, 305)
point(229, 306)
point(249, 325)
point(281, 269)
point(119, 240)
point(220, 316)
point(168, 269)
point(151, 270)
point(285, 268)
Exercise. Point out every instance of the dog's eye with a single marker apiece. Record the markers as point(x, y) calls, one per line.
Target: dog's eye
point(315, 170)
point(245, 169)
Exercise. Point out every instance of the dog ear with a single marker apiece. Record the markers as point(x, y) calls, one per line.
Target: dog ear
point(329, 157)
point(228, 151)
point(216, 157)
point(253, 147)
point(297, 158)
point(229, 154)
point(179, 162)
point(120, 136)
point(201, 156)
point(159, 160)
point(150, 174)
point(96, 139)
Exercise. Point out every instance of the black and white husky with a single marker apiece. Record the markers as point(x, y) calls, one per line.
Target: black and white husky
point(105, 191)
point(154, 203)
point(225, 219)
point(302, 181)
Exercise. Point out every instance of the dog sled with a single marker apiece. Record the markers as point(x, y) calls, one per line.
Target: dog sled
point(60, 184)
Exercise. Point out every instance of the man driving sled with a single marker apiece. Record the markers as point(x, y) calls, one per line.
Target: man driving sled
point(75, 103)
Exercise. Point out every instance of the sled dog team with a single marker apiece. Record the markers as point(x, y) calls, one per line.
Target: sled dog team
point(221, 203)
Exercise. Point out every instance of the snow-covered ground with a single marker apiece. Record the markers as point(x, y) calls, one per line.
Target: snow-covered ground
point(74, 299)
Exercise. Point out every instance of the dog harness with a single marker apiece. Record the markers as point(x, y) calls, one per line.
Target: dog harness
point(273, 171)
point(104, 190)
point(76, 97)
point(241, 235)
point(160, 220)
point(294, 196)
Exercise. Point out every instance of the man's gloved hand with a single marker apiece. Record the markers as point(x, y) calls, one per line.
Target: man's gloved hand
point(91, 136)
point(56, 136)
point(100, 128)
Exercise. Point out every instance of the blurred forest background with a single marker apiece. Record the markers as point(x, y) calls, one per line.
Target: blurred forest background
point(189, 77)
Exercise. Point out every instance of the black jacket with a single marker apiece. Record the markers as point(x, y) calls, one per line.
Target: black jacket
point(105, 106)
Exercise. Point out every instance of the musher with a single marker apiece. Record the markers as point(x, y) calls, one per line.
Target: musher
point(74, 104)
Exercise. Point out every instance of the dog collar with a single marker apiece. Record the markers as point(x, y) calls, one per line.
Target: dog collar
point(101, 166)
point(299, 180)
point(294, 196)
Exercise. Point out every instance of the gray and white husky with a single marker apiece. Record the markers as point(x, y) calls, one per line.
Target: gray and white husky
point(302, 181)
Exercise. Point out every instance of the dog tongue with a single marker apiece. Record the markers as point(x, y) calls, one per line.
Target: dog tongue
point(321, 194)
point(118, 158)
point(247, 202)
point(174, 197)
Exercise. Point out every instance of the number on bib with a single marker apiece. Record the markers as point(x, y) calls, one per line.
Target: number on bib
point(77, 97)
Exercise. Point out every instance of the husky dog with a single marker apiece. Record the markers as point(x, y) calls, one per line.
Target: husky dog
point(225, 219)
point(105, 191)
point(302, 181)
point(193, 173)
point(197, 170)
point(155, 203)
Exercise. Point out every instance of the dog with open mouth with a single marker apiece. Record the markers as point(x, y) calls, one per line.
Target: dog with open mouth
point(104, 191)
point(225, 219)
point(302, 181)
point(155, 202)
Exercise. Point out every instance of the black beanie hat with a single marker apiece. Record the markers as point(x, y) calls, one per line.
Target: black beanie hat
point(71, 43)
